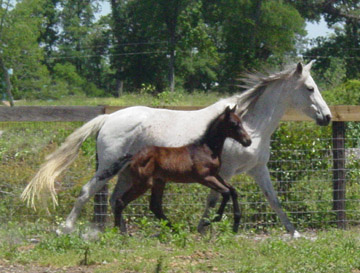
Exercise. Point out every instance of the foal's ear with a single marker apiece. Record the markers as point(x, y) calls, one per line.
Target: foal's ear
point(227, 111)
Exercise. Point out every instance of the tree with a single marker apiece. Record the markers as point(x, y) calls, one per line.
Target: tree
point(345, 17)
point(20, 51)
point(119, 25)
point(49, 30)
point(97, 43)
point(250, 33)
point(163, 17)
point(77, 19)
point(4, 10)
point(198, 57)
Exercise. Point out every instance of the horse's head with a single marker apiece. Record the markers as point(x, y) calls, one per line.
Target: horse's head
point(234, 128)
point(306, 96)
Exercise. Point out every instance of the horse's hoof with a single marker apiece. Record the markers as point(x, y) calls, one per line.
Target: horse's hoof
point(63, 230)
point(92, 233)
point(296, 235)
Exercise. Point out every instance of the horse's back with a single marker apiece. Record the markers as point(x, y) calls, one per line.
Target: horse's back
point(131, 129)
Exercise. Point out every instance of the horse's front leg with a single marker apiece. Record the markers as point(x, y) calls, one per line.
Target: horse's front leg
point(211, 201)
point(262, 177)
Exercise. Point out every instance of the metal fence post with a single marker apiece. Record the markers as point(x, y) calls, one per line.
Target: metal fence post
point(339, 172)
point(100, 201)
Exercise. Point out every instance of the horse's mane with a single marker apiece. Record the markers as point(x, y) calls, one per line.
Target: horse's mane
point(255, 84)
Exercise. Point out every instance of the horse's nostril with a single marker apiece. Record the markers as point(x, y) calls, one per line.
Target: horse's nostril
point(328, 118)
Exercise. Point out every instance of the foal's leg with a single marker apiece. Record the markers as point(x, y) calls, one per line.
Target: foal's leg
point(234, 196)
point(214, 183)
point(123, 184)
point(133, 193)
point(157, 193)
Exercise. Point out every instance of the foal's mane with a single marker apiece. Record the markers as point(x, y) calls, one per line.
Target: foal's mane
point(209, 128)
point(255, 84)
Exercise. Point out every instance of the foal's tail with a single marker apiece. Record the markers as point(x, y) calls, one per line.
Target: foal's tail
point(58, 161)
point(118, 166)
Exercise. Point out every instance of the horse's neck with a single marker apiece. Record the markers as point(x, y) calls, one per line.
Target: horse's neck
point(264, 116)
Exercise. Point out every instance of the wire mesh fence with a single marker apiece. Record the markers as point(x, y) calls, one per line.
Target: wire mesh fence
point(301, 167)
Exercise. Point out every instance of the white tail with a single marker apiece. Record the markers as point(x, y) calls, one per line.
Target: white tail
point(57, 162)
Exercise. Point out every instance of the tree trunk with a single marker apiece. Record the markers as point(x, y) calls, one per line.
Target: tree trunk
point(172, 70)
point(172, 46)
point(7, 82)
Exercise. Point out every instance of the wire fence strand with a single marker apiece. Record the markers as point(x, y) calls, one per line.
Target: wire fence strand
point(301, 168)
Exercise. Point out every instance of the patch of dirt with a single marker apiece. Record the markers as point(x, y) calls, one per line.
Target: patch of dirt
point(17, 268)
point(198, 257)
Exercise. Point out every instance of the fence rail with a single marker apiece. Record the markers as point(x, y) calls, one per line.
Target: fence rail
point(341, 115)
point(85, 113)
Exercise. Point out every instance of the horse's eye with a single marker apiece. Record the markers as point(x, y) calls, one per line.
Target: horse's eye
point(310, 89)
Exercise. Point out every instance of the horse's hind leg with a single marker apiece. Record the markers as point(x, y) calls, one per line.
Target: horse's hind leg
point(157, 193)
point(88, 190)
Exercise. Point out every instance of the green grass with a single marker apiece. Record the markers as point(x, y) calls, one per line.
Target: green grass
point(184, 251)
point(23, 147)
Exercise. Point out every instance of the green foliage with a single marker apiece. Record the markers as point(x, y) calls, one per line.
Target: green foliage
point(20, 51)
point(344, 94)
point(59, 48)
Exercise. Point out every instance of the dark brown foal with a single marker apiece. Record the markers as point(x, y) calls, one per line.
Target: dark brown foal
point(198, 162)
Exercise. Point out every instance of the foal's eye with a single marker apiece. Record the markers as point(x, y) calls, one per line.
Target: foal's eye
point(310, 89)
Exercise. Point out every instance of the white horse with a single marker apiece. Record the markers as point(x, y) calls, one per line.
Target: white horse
point(128, 130)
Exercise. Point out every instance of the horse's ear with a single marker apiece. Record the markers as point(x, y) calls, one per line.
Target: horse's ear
point(233, 109)
point(308, 66)
point(242, 113)
point(299, 68)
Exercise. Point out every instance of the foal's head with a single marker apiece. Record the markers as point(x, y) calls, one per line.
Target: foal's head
point(232, 127)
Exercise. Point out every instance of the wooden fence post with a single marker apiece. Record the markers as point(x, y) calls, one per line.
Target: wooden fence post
point(100, 201)
point(339, 172)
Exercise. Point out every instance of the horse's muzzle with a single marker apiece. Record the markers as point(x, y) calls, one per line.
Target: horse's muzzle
point(324, 120)
point(246, 142)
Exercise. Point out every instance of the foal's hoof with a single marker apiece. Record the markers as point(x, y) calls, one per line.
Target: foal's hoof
point(217, 218)
point(203, 226)
point(156, 235)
